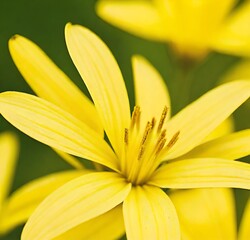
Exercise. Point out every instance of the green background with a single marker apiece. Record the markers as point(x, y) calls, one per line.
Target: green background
point(43, 22)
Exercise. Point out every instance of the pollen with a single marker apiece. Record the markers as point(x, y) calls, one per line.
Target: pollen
point(143, 145)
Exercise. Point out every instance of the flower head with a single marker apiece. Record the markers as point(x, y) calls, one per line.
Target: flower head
point(192, 27)
point(146, 151)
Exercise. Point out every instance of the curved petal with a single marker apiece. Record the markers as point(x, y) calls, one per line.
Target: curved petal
point(150, 90)
point(207, 214)
point(232, 146)
point(140, 18)
point(50, 83)
point(49, 124)
point(107, 226)
point(22, 203)
point(103, 78)
point(201, 117)
point(244, 230)
point(203, 173)
point(9, 151)
point(78, 201)
point(149, 214)
point(234, 36)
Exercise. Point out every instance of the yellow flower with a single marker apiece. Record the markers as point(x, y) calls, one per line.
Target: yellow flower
point(145, 152)
point(192, 27)
point(16, 208)
point(210, 214)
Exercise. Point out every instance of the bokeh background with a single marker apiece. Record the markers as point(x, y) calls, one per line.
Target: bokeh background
point(43, 22)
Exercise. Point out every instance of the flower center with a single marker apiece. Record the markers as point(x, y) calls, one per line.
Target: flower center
point(143, 146)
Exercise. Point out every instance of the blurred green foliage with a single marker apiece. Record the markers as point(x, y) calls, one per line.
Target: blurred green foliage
point(43, 22)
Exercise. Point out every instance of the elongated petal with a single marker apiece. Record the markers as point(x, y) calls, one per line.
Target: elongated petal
point(140, 18)
point(22, 203)
point(234, 37)
point(203, 173)
point(107, 226)
point(232, 146)
point(103, 79)
point(50, 83)
point(244, 230)
point(149, 214)
point(8, 157)
point(201, 117)
point(150, 90)
point(51, 125)
point(207, 214)
point(76, 202)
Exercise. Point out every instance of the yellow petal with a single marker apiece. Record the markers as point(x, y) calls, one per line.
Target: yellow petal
point(8, 157)
point(20, 205)
point(107, 226)
point(232, 146)
point(207, 214)
point(50, 83)
point(103, 79)
point(149, 214)
point(150, 90)
point(201, 117)
point(203, 173)
point(49, 124)
point(140, 18)
point(234, 37)
point(244, 230)
point(78, 201)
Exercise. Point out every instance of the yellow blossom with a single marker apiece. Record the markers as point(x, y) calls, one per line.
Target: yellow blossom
point(144, 154)
point(192, 27)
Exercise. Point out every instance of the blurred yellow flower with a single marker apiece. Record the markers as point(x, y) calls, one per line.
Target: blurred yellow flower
point(192, 27)
point(210, 214)
point(145, 152)
point(16, 208)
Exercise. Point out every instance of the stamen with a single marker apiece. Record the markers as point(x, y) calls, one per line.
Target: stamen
point(144, 139)
point(146, 132)
point(135, 120)
point(126, 136)
point(153, 122)
point(160, 146)
point(163, 117)
point(162, 136)
point(173, 140)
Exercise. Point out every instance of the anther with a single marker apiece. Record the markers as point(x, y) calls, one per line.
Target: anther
point(162, 136)
point(126, 136)
point(153, 122)
point(160, 146)
point(173, 140)
point(144, 139)
point(163, 117)
point(146, 133)
point(135, 120)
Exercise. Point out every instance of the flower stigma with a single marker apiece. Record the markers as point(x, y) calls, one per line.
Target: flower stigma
point(143, 145)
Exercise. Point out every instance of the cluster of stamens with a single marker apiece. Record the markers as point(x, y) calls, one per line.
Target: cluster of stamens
point(143, 148)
